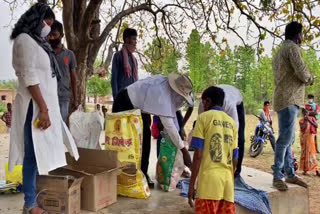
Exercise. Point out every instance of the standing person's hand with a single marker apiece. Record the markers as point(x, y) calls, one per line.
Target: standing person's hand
point(44, 118)
point(191, 197)
point(186, 157)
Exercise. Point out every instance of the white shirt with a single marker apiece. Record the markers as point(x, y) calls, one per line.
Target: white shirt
point(32, 66)
point(154, 95)
point(232, 98)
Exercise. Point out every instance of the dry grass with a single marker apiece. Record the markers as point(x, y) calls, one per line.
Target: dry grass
point(3, 128)
point(264, 162)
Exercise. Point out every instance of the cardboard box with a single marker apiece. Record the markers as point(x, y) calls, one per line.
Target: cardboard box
point(59, 194)
point(99, 171)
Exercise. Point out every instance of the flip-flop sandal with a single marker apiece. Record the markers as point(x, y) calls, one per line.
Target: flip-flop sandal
point(27, 210)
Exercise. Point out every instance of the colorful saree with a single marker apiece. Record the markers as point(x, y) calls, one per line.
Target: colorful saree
point(308, 157)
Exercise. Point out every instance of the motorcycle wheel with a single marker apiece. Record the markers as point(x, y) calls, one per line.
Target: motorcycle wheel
point(256, 148)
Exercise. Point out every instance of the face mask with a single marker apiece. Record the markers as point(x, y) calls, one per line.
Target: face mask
point(55, 42)
point(45, 30)
point(310, 100)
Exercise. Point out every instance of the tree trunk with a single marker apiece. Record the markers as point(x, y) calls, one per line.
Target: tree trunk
point(82, 31)
point(81, 84)
point(82, 77)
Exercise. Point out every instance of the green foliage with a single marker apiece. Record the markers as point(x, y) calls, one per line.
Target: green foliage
point(3, 107)
point(313, 64)
point(98, 63)
point(239, 67)
point(199, 57)
point(9, 84)
point(97, 86)
point(163, 58)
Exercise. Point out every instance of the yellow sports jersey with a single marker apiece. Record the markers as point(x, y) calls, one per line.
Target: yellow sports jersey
point(216, 134)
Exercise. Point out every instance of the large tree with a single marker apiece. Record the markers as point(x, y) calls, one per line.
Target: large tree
point(161, 59)
point(89, 24)
point(98, 86)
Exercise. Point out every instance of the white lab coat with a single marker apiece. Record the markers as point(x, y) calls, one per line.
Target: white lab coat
point(32, 67)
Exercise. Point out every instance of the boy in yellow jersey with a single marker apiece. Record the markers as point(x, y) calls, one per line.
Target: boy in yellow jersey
point(215, 158)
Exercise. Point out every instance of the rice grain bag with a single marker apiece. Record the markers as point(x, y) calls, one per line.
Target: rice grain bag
point(124, 135)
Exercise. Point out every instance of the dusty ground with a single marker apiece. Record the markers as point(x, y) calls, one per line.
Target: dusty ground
point(262, 162)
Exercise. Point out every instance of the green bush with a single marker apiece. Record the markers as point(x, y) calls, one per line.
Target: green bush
point(3, 107)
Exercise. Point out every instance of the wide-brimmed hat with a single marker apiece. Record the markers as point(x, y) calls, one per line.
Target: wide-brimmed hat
point(182, 85)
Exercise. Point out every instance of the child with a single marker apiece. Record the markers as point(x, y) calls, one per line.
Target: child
point(215, 158)
point(6, 117)
point(308, 158)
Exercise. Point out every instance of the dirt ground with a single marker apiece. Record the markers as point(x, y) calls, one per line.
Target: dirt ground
point(262, 162)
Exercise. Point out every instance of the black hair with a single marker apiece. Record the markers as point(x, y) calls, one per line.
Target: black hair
point(49, 15)
point(31, 21)
point(129, 32)
point(215, 94)
point(266, 103)
point(310, 96)
point(292, 30)
point(57, 26)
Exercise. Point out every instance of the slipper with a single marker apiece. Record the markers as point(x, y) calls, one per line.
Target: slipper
point(27, 210)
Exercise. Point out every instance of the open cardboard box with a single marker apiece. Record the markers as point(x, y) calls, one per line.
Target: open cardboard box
point(59, 194)
point(99, 171)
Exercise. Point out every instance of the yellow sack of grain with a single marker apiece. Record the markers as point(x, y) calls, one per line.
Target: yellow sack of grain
point(14, 177)
point(124, 135)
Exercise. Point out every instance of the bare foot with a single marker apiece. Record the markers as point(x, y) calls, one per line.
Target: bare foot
point(305, 173)
point(37, 210)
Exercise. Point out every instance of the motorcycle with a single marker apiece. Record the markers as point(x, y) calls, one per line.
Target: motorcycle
point(258, 140)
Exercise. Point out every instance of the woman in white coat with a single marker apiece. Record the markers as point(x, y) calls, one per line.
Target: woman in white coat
point(38, 131)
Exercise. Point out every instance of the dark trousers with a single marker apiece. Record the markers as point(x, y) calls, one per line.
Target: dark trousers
point(241, 137)
point(123, 103)
point(272, 140)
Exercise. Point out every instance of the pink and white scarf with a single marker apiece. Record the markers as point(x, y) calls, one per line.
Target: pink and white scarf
point(127, 51)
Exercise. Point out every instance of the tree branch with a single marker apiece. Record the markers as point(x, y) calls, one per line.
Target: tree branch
point(88, 16)
point(67, 16)
point(117, 18)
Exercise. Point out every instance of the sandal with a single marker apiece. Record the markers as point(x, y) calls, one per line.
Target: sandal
point(27, 210)
point(317, 173)
point(280, 185)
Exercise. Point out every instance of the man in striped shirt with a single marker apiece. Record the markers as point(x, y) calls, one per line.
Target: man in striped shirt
point(7, 116)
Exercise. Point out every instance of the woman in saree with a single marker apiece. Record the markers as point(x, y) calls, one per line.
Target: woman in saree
point(308, 158)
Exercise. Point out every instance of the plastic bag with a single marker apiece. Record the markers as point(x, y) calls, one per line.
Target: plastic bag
point(14, 177)
point(124, 134)
point(13, 182)
point(170, 164)
point(86, 128)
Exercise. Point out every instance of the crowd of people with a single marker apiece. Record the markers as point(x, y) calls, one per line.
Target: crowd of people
point(47, 86)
